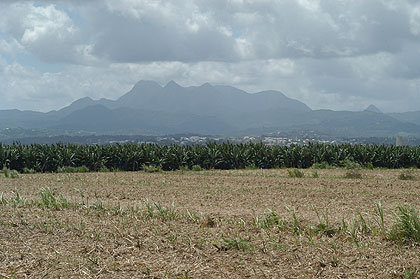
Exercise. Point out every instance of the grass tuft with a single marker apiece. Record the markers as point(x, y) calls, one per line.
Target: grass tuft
point(407, 175)
point(353, 174)
point(236, 244)
point(10, 173)
point(295, 173)
point(407, 226)
point(196, 168)
point(49, 199)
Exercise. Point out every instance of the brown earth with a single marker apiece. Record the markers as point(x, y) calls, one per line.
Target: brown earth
point(207, 224)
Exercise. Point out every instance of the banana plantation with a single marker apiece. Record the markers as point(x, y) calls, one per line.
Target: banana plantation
point(133, 157)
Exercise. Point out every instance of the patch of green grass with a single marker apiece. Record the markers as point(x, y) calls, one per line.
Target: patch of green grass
point(295, 173)
point(315, 174)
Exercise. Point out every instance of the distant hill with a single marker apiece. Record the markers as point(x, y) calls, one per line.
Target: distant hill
point(411, 117)
point(151, 109)
point(373, 108)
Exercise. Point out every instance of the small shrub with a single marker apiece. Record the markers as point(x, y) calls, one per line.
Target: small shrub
point(407, 175)
point(151, 168)
point(353, 174)
point(196, 168)
point(10, 173)
point(295, 173)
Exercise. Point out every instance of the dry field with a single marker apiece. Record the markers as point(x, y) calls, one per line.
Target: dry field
point(206, 224)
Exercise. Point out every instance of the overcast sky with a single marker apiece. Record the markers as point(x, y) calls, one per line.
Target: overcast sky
point(335, 54)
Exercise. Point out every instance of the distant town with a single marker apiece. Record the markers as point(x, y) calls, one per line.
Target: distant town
point(9, 136)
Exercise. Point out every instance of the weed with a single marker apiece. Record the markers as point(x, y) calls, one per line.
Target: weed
point(271, 219)
point(239, 244)
point(379, 212)
point(296, 226)
point(98, 205)
point(49, 199)
point(315, 174)
point(295, 173)
point(17, 199)
point(324, 223)
point(407, 226)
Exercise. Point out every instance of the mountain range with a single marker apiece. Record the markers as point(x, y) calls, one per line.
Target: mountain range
point(151, 109)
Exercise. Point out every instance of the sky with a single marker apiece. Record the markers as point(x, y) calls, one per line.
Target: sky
point(329, 54)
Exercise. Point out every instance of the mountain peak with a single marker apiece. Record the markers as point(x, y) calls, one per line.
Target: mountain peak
point(172, 85)
point(373, 108)
point(206, 85)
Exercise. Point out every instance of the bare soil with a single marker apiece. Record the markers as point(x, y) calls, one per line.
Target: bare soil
point(206, 224)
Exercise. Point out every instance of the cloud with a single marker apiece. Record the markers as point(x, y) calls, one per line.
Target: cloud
point(328, 53)
point(45, 31)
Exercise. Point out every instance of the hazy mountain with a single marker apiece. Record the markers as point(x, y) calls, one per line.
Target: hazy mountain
point(151, 109)
point(198, 100)
point(373, 108)
point(411, 117)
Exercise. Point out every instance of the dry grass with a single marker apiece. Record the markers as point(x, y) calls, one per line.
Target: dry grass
point(205, 224)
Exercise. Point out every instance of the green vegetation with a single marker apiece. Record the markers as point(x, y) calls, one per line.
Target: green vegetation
point(407, 226)
point(10, 173)
point(407, 175)
point(353, 174)
point(295, 173)
point(132, 157)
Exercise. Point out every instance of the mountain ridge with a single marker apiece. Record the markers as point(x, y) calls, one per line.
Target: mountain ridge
point(151, 109)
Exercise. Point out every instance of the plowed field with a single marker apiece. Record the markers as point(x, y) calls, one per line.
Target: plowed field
point(206, 224)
